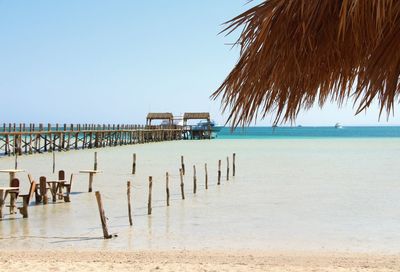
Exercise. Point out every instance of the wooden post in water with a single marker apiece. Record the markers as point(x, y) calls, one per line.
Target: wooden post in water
point(43, 189)
point(227, 168)
point(54, 162)
point(134, 164)
point(149, 201)
point(95, 161)
point(206, 175)
point(16, 160)
point(182, 184)
point(234, 164)
point(219, 172)
point(128, 191)
point(167, 186)
point(102, 216)
point(182, 166)
point(90, 182)
point(194, 180)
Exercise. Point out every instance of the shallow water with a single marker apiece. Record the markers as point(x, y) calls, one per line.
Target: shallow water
point(288, 194)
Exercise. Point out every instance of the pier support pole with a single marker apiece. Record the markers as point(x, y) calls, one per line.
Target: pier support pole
point(182, 184)
point(167, 186)
point(182, 165)
point(227, 168)
point(43, 189)
point(234, 164)
point(95, 161)
point(102, 216)
point(16, 160)
point(194, 180)
point(54, 162)
point(134, 164)
point(90, 182)
point(128, 192)
point(149, 201)
point(219, 172)
point(206, 175)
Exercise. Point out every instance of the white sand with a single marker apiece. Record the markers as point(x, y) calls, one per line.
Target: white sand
point(194, 261)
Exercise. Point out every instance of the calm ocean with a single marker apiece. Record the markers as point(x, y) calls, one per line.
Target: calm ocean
point(310, 132)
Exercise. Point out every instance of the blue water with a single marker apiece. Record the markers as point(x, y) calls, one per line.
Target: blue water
point(309, 132)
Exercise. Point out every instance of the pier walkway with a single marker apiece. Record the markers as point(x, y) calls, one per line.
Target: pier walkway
point(28, 139)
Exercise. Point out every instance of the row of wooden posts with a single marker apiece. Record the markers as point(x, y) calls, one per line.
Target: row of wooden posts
point(149, 202)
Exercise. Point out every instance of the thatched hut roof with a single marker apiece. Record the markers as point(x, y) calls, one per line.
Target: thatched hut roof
point(301, 52)
point(196, 115)
point(160, 116)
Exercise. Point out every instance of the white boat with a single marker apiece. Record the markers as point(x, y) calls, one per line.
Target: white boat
point(338, 125)
point(205, 125)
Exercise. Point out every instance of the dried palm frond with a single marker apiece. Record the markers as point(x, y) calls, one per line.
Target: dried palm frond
point(295, 53)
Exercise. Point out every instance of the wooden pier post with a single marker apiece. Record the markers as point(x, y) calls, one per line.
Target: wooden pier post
point(206, 175)
point(227, 168)
point(128, 191)
point(95, 161)
point(54, 162)
point(16, 160)
point(234, 164)
point(167, 186)
point(90, 182)
point(182, 184)
point(102, 216)
point(194, 180)
point(43, 189)
point(219, 172)
point(134, 164)
point(149, 201)
point(182, 165)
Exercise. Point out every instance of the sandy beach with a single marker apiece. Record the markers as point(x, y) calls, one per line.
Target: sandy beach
point(195, 261)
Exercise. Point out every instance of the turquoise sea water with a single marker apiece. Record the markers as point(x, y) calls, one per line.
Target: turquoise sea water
point(310, 132)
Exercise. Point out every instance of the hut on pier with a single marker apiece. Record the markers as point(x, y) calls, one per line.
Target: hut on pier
point(163, 116)
point(199, 131)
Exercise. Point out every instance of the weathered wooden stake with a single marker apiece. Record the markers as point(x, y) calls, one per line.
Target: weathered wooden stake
point(194, 179)
point(95, 161)
point(182, 166)
point(102, 216)
point(134, 164)
point(234, 164)
point(219, 172)
point(182, 184)
point(167, 186)
point(128, 191)
point(90, 182)
point(227, 168)
point(16, 160)
point(149, 202)
point(206, 175)
point(43, 189)
point(54, 162)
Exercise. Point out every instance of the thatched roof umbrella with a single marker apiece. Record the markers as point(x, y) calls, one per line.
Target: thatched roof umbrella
point(295, 53)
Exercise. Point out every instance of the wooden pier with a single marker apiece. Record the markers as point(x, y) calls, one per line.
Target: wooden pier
point(28, 139)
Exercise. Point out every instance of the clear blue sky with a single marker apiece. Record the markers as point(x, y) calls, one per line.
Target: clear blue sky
point(113, 61)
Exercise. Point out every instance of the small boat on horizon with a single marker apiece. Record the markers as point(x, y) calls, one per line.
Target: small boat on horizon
point(338, 125)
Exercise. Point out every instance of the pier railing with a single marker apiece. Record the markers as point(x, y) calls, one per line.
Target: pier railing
point(23, 139)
